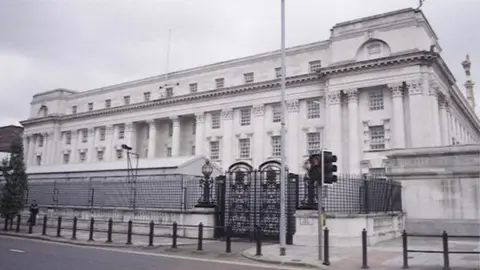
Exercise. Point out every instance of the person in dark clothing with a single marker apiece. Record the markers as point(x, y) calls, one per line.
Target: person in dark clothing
point(33, 212)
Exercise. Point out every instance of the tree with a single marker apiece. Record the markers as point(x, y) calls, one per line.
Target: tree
point(14, 183)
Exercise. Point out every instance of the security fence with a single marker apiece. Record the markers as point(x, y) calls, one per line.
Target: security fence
point(172, 191)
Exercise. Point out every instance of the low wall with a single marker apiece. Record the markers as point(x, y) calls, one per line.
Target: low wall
point(346, 230)
point(163, 218)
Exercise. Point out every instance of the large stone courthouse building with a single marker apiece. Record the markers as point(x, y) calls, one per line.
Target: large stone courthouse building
point(378, 83)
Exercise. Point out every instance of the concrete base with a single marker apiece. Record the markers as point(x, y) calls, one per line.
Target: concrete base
point(437, 226)
point(346, 230)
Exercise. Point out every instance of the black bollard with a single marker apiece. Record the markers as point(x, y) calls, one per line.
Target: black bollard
point(74, 228)
point(11, 223)
point(364, 249)
point(326, 248)
point(109, 231)
point(405, 252)
point(5, 228)
point(59, 226)
point(200, 237)
point(91, 228)
point(129, 232)
point(174, 235)
point(150, 234)
point(19, 217)
point(259, 241)
point(446, 259)
point(228, 241)
point(44, 225)
point(30, 225)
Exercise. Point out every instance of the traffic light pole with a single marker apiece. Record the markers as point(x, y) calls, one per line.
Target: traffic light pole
point(320, 210)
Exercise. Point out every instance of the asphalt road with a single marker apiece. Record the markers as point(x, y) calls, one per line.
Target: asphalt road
point(26, 254)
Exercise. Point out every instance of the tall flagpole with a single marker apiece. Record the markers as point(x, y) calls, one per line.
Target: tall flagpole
point(282, 139)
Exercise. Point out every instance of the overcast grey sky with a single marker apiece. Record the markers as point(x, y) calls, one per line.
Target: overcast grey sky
point(85, 44)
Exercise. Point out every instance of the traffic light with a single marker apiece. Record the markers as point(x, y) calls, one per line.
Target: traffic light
point(329, 167)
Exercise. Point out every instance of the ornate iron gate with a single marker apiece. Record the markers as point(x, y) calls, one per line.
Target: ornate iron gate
point(251, 198)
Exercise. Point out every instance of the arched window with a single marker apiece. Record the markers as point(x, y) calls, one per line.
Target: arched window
point(372, 49)
point(43, 111)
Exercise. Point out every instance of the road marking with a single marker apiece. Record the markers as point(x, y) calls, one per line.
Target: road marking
point(258, 265)
point(17, 250)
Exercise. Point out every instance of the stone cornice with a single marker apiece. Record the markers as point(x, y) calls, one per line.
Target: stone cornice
point(193, 97)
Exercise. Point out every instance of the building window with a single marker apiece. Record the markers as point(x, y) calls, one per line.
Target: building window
point(101, 132)
point(245, 116)
point(193, 150)
point(276, 146)
point(39, 160)
point(277, 113)
point(374, 49)
point(377, 137)
point(249, 77)
point(193, 87)
point(215, 150)
point(169, 151)
point(90, 106)
point(375, 99)
point(313, 143)
point(100, 155)
point(66, 158)
point(84, 135)
point(83, 156)
point(126, 100)
point(278, 72)
point(215, 120)
point(121, 131)
point(146, 96)
point(313, 109)
point(40, 141)
point(169, 91)
point(68, 137)
point(108, 103)
point(244, 147)
point(220, 83)
point(314, 66)
point(119, 153)
point(74, 109)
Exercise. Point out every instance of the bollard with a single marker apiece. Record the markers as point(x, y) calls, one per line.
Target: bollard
point(90, 233)
point(30, 225)
point(5, 228)
point(18, 223)
point(44, 225)
point(446, 259)
point(259, 241)
point(228, 241)
point(326, 248)
point(74, 228)
point(11, 223)
point(405, 252)
point(129, 232)
point(150, 234)
point(200, 237)
point(174, 235)
point(109, 231)
point(59, 226)
point(364, 249)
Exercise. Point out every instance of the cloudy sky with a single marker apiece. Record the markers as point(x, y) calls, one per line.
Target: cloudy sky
point(85, 44)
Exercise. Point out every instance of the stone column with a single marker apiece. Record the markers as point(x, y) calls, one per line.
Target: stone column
point(444, 128)
point(175, 136)
point(418, 117)
point(74, 152)
point(334, 126)
point(25, 148)
point(293, 151)
point(435, 131)
point(46, 150)
point(353, 132)
point(129, 135)
point(56, 145)
point(259, 134)
point(199, 136)
point(109, 139)
point(31, 149)
point(227, 140)
point(398, 115)
point(152, 138)
point(91, 153)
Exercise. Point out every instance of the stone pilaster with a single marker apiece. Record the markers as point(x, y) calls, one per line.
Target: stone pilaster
point(91, 153)
point(109, 143)
point(293, 151)
point(398, 115)
point(334, 125)
point(152, 138)
point(418, 117)
point(444, 121)
point(353, 132)
point(227, 140)
point(199, 134)
point(175, 136)
point(433, 92)
point(259, 134)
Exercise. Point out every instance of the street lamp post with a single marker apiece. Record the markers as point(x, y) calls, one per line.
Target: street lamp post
point(282, 139)
point(131, 172)
point(206, 183)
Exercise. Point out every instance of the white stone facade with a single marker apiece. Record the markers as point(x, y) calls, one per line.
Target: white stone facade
point(375, 85)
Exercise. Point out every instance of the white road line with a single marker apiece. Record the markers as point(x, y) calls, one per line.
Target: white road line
point(17, 250)
point(262, 265)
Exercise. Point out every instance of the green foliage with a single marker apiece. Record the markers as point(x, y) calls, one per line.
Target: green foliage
point(13, 183)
